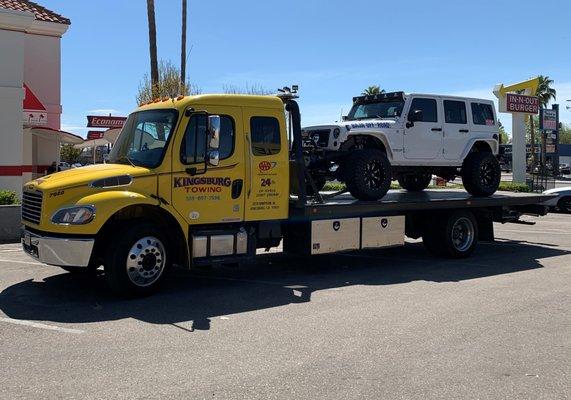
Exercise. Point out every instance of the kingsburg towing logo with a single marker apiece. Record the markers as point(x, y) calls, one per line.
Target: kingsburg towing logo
point(202, 184)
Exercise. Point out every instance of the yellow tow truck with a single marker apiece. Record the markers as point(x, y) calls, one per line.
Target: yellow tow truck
point(212, 178)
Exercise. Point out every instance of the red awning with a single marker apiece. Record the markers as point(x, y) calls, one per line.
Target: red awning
point(31, 102)
point(34, 111)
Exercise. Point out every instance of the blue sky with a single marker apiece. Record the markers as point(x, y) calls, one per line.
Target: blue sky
point(333, 49)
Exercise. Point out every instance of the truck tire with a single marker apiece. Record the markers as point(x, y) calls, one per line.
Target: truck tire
point(368, 174)
point(481, 174)
point(138, 260)
point(453, 235)
point(415, 183)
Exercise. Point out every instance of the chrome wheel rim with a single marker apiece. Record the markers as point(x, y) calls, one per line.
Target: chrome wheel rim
point(146, 261)
point(462, 234)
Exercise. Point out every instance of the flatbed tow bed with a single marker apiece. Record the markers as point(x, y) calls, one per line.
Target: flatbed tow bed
point(450, 222)
point(399, 201)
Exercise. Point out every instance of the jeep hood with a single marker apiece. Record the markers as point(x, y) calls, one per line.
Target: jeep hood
point(358, 124)
point(84, 176)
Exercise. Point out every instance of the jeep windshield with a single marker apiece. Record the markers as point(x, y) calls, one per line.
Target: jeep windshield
point(376, 109)
point(144, 137)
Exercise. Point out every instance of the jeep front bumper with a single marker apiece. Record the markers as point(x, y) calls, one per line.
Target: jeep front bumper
point(63, 252)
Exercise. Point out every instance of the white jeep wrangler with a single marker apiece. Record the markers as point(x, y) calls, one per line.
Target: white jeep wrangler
point(408, 137)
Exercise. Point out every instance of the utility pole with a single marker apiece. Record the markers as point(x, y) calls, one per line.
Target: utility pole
point(183, 46)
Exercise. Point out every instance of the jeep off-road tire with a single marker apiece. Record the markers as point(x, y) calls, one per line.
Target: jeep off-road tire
point(481, 174)
point(415, 183)
point(451, 235)
point(368, 174)
point(138, 260)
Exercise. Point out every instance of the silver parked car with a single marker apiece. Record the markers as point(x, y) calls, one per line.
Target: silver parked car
point(562, 201)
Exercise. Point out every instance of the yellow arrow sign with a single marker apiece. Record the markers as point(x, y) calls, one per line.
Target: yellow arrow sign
point(530, 84)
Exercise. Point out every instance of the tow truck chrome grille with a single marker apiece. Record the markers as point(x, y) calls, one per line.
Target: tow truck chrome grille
point(32, 207)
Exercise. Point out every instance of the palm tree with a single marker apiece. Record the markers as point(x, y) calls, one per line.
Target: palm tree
point(183, 45)
point(375, 89)
point(153, 46)
point(545, 93)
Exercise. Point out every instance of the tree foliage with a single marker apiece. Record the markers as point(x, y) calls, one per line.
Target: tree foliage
point(375, 89)
point(169, 85)
point(565, 134)
point(504, 138)
point(69, 154)
point(255, 89)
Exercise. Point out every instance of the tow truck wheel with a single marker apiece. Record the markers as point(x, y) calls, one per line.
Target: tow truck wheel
point(137, 261)
point(368, 174)
point(415, 183)
point(452, 235)
point(481, 174)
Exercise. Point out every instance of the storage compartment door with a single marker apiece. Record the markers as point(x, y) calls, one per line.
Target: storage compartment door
point(382, 232)
point(332, 235)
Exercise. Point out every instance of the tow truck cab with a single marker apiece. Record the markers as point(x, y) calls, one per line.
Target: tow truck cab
point(198, 176)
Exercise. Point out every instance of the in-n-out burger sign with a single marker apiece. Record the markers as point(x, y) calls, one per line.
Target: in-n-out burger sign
point(95, 121)
point(519, 103)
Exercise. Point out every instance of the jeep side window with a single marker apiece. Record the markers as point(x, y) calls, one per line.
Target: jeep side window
point(265, 133)
point(482, 114)
point(428, 108)
point(192, 147)
point(455, 112)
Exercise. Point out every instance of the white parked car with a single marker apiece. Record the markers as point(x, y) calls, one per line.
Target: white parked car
point(563, 200)
point(408, 137)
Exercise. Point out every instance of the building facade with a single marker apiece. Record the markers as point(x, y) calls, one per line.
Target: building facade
point(30, 91)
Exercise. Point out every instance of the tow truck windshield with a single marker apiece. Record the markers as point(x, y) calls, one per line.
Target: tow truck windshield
point(144, 137)
point(375, 109)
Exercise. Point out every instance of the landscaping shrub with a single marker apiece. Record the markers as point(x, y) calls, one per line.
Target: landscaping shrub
point(8, 197)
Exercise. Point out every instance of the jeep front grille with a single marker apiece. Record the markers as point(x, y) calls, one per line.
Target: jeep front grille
point(32, 207)
point(320, 137)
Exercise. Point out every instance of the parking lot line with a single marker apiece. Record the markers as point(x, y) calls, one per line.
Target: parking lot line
point(21, 262)
point(38, 325)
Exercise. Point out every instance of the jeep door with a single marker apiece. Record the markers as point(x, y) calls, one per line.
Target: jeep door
point(456, 133)
point(423, 139)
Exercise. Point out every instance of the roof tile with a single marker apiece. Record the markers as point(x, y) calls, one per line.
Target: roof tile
point(41, 13)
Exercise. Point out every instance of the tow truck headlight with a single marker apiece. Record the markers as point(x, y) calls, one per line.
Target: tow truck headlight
point(336, 132)
point(74, 215)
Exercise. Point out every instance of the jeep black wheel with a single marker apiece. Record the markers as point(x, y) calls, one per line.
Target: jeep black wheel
point(481, 174)
point(138, 260)
point(368, 174)
point(415, 182)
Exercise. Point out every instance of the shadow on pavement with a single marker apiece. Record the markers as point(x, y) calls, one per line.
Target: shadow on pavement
point(274, 280)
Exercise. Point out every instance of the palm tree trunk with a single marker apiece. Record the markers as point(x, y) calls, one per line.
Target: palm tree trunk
point(153, 47)
point(183, 47)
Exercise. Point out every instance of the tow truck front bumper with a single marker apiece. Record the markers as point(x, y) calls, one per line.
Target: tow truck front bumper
point(63, 252)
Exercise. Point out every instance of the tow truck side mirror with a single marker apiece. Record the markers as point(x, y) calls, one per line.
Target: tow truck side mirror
point(344, 118)
point(213, 132)
point(213, 140)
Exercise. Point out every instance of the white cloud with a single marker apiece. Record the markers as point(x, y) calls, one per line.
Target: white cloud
point(104, 111)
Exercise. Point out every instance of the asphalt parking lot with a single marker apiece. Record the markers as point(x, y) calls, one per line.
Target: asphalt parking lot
point(391, 324)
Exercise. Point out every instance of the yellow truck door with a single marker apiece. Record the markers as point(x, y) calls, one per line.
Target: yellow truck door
point(267, 165)
point(215, 194)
